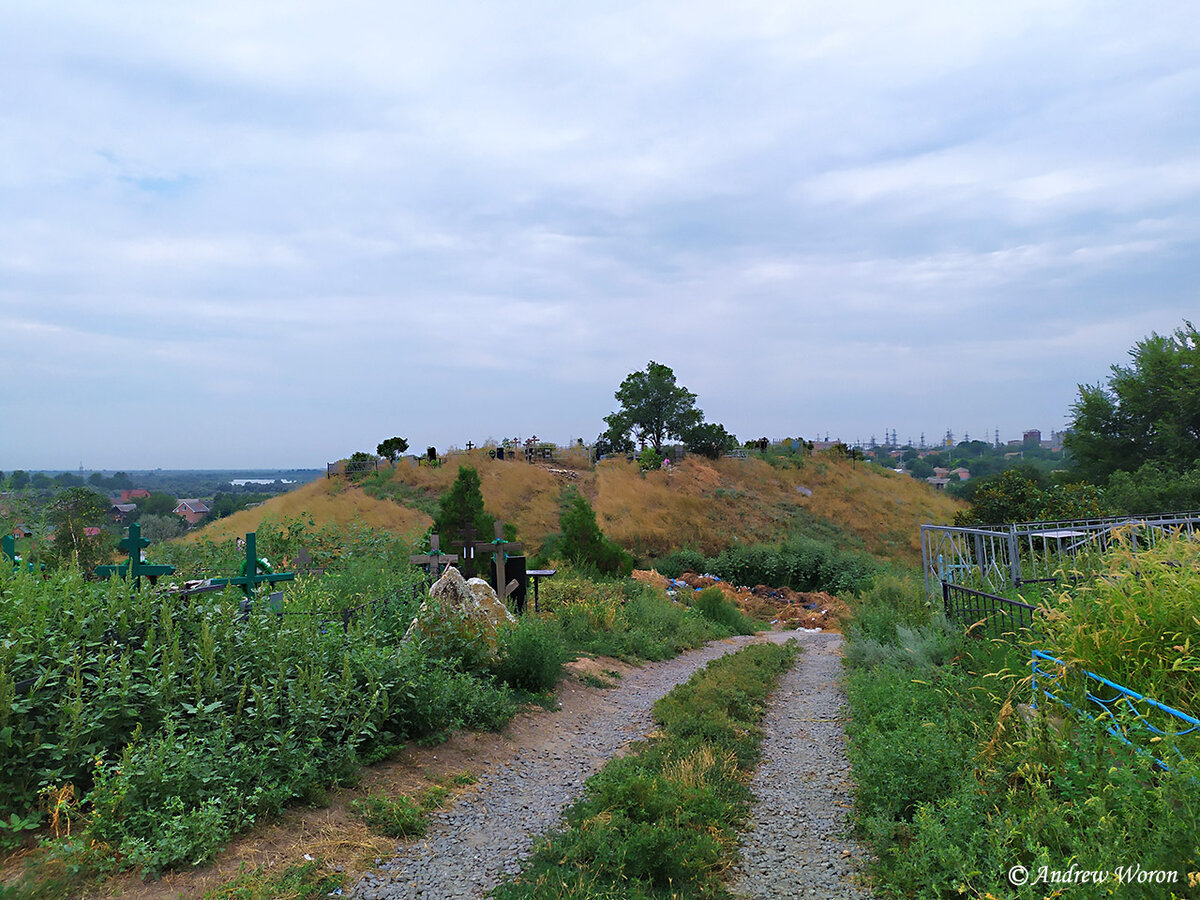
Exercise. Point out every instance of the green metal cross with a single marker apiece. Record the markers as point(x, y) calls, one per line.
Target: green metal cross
point(250, 577)
point(133, 545)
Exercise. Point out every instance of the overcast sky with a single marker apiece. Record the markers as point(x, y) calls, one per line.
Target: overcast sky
point(269, 234)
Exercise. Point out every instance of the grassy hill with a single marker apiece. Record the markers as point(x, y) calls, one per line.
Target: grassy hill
point(704, 504)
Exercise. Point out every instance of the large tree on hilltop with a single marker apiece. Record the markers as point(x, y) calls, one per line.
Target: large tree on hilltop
point(1149, 411)
point(653, 408)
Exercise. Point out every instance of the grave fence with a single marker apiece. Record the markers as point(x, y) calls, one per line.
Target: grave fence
point(994, 558)
point(1122, 712)
point(985, 613)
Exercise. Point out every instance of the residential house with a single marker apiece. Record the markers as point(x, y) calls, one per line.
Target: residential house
point(121, 510)
point(193, 510)
point(128, 495)
point(960, 473)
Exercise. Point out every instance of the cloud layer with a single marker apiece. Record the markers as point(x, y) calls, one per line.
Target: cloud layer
point(272, 235)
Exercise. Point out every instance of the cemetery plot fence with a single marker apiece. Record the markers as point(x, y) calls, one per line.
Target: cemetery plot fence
point(995, 616)
point(995, 558)
point(1127, 715)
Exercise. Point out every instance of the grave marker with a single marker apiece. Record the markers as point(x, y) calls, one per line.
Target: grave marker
point(435, 559)
point(249, 579)
point(499, 549)
point(134, 567)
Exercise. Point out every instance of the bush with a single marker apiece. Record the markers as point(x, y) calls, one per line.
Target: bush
point(711, 604)
point(582, 543)
point(803, 564)
point(532, 654)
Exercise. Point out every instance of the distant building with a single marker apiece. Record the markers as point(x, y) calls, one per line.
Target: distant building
point(129, 494)
point(961, 473)
point(193, 510)
point(120, 510)
point(939, 484)
point(1033, 436)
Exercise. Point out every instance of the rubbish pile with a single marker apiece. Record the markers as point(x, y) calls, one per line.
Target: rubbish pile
point(777, 605)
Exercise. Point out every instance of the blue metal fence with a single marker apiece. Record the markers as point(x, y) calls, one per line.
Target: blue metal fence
point(1123, 713)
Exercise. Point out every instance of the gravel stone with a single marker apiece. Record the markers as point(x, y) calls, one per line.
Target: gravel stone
point(795, 844)
point(484, 837)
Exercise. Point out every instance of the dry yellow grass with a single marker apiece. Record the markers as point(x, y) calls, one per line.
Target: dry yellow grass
point(710, 504)
point(700, 503)
point(326, 500)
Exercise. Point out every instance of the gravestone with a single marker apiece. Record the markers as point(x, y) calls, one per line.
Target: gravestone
point(516, 579)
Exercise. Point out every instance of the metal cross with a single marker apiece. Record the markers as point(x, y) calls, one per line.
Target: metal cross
point(499, 549)
point(435, 559)
point(249, 578)
point(133, 566)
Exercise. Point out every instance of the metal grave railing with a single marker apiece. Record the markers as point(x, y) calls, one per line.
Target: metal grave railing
point(985, 613)
point(1121, 714)
point(996, 557)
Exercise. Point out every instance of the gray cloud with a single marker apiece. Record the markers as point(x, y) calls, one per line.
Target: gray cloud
point(289, 230)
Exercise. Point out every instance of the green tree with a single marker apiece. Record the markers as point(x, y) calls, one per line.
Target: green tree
point(157, 504)
point(392, 448)
point(653, 408)
point(709, 439)
point(163, 528)
point(461, 510)
point(72, 512)
point(360, 464)
point(1148, 411)
point(19, 480)
point(583, 543)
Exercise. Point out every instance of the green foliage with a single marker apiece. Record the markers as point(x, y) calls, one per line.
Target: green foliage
point(360, 465)
point(392, 448)
point(398, 817)
point(662, 822)
point(157, 504)
point(649, 459)
point(461, 510)
point(653, 408)
point(1147, 412)
point(1013, 496)
point(709, 439)
point(622, 618)
point(582, 543)
point(203, 723)
point(71, 512)
point(953, 788)
point(711, 604)
point(801, 563)
point(532, 654)
point(162, 528)
point(1155, 487)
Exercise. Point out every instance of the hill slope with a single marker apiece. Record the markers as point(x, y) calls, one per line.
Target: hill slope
point(704, 504)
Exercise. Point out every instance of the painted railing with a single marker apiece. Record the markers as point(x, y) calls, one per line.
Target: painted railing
point(1122, 712)
point(985, 614)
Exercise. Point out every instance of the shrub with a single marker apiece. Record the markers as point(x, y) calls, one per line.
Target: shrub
point(532, 654)
point(711, 604)
point(584, 544)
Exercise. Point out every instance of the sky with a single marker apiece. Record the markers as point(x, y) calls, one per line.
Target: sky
point(270, 234)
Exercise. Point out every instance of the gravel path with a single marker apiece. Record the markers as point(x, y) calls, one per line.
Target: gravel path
point(472, 846)
point(794, 845)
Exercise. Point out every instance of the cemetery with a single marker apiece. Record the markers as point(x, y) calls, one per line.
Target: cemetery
point(235, 676)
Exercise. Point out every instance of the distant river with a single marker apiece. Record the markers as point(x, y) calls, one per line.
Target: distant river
point(240, 481)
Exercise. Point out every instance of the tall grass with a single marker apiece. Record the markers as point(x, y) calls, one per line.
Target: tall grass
point(955, 784)
point(1138, 623)
point(181, 721)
